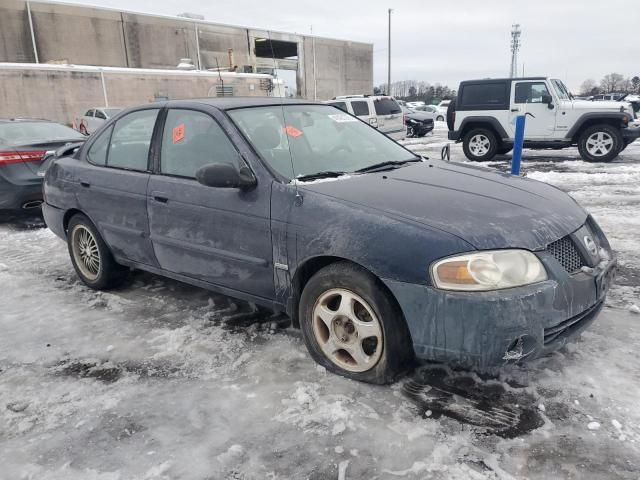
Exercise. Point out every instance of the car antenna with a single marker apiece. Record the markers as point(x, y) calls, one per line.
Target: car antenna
point(284, 120)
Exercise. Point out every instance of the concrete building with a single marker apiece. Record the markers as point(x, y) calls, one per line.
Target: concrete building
point(39, 32)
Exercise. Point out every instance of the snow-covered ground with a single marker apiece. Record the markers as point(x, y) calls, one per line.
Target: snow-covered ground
point(159, 380)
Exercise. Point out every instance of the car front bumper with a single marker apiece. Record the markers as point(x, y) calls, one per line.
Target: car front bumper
point(632, 131)
point(16, 196)
point(484, 330)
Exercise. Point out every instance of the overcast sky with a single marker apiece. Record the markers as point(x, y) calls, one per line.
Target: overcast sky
point(447, 41)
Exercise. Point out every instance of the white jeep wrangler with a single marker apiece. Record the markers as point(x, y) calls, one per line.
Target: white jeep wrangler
point(483, 118)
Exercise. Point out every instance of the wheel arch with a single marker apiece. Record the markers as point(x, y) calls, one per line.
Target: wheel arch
point(489, 123)
point(587, 120)
point(311, 266)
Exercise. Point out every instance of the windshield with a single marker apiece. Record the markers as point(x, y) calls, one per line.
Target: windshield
point(561, 89)
point(25, 133)
point(315, 138)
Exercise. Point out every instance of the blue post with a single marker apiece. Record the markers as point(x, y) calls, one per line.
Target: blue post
point(517, 146)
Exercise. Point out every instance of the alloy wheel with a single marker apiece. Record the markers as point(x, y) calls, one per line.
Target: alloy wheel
point(479, 145)
point(85, 252)
point(347, 330)
point(599, 144)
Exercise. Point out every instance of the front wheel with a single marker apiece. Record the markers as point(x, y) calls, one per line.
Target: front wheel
point(410, 132)
point(90, 256)
point(352, 327)
point(600, 143)
point(480, 145)
point(440, 118)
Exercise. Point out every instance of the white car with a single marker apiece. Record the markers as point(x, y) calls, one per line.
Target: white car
point(433, 111)
point(379, 111)
point(93, 119)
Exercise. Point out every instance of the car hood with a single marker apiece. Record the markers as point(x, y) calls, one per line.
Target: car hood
point(604, 105)
point(420, 116)
point(487, 209)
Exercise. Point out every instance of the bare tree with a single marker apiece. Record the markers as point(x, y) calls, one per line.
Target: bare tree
point(588, 87)
point(612, 82)
point(635, 82)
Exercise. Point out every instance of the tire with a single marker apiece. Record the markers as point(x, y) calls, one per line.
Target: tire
point(410, 132)
point(600, 143)
point(439, 118)
point(451, 114)
point(379, 357)
point(504, 150)
point(98, 270)
point(480, 145)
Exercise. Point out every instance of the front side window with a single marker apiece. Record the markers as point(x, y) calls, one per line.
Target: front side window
point(192, 140)
point(131, 139)
point(360, 108)
point(100, 115)
point(299, 140)
point(89, 113)
point(530, 92)
point(98, 151)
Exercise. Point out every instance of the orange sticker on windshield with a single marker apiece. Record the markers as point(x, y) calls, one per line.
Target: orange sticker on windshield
point(178, 133)
point(292, 131)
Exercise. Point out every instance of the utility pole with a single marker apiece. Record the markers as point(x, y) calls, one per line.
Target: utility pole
point(389, 53)
point(515, 46)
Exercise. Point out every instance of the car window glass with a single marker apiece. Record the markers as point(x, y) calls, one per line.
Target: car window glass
point(485, 94)
point(530, 92)
point(131, 139)
point(98, 151)
point(360, 108)
point(561, 90)
point(100, 115)
point(386, 106)
point(89, 113)
point(340, 105)
point(23, 133)
point(192, 140)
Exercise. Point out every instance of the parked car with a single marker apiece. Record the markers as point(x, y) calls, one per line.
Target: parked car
point(94, 118)
point(607, 97)
point(418, 123)
point(23, 144)
point(433, 112)
point(379, 111)
point(415, 104)
point(377, 254)
point(483, 119)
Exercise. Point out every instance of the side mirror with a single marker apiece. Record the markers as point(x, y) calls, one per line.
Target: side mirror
point(548, 99)
point(223, 175)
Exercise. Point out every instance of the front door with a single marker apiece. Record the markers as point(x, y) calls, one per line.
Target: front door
point(218, 235)
point(113, 185)
point(527, 99)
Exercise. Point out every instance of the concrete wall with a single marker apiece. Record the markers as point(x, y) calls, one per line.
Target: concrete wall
point(60, 94)
point(95, 36)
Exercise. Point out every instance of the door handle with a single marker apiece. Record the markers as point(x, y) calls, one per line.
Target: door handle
point(160, 197)
point(85, 184)
point(515, 109)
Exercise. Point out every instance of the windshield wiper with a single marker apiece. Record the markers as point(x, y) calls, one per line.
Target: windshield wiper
point(318, 175)
point(377, 167)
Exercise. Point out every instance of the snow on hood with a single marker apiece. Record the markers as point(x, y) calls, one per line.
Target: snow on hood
point(487, 209)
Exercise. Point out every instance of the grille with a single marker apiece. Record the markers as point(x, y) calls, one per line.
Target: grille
point(565, 251)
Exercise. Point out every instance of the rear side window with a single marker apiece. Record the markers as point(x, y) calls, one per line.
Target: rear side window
point(341, 105)
point(386, 106)
point(530, 92)
point(493, 96)
point(89, 113)
point(100, 115)
point(360, 108)
point(192, 140)
point(98, 152)
point(131, 139)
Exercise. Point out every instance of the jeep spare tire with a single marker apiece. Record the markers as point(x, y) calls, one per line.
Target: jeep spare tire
point(480, 145)
point(600, 143)
point(451, 114)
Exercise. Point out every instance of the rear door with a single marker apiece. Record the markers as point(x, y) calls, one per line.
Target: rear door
point(218, 235)
point(361, 110)
point(389, 116)
point(112, 184)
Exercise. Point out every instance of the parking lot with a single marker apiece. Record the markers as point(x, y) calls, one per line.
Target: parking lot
point(158, 379)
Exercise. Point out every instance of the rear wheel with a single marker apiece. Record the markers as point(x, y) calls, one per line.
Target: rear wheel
point(480, 145)
point(90, 256)
point(352, 327)
point(600, 143)
point(440, 118)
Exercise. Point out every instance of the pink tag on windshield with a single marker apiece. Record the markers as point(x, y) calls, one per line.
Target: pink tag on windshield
point(292, 131)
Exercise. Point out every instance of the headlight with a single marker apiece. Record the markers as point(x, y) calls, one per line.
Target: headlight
point(489, 270)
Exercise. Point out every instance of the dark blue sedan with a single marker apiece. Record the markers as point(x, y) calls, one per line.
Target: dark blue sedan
point(378, 255)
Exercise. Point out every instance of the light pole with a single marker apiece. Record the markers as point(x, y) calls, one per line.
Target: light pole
point(389, 61)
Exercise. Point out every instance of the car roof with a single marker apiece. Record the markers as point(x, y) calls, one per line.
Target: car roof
point(510, 79)
point(229, 103)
